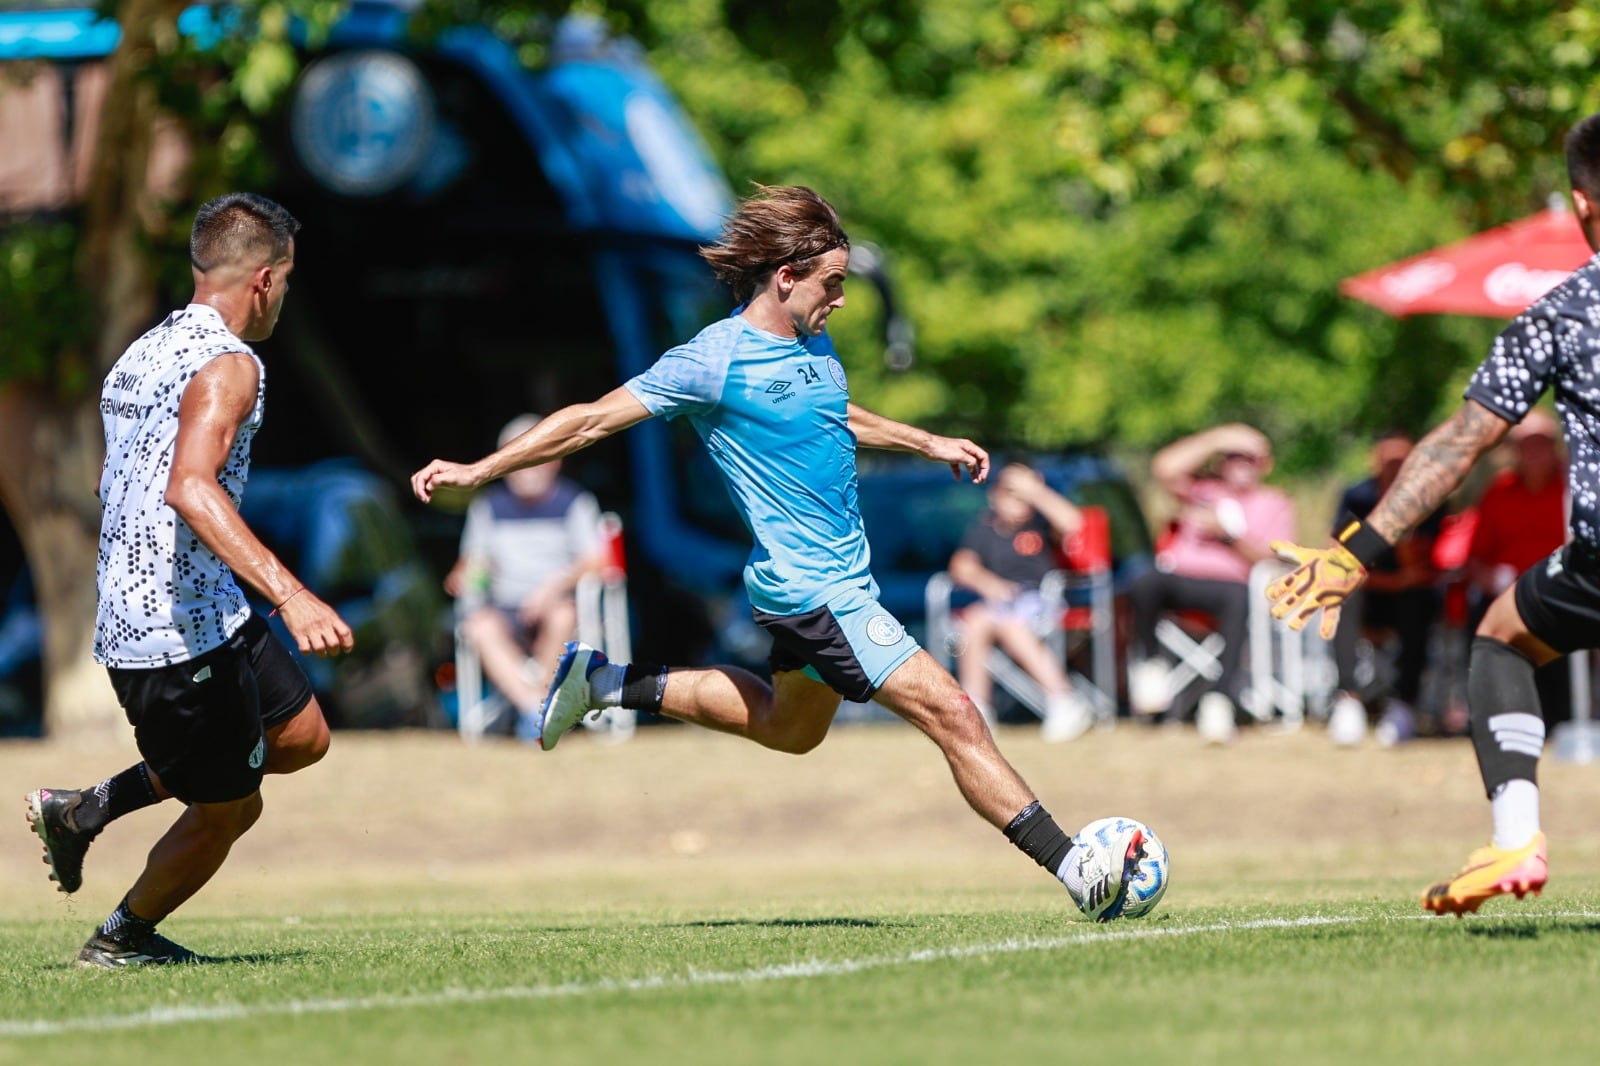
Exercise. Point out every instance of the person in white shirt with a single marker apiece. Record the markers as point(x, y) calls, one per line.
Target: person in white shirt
point(215, 701)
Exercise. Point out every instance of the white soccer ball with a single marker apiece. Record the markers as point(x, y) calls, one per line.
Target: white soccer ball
point(1149, 880)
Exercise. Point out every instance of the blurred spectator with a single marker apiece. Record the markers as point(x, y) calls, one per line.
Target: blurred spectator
point(1005, 554)
point(528, 539)
point(1522, 518)
point(1225, 524)
point(1400, 597)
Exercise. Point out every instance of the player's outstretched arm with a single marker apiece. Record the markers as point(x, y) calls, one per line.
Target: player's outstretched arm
point(216, 402)
point(1325, 577)
point(555, 437)
point(876, 431)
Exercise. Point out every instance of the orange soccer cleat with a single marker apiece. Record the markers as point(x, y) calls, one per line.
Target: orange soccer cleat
point(1490, 872)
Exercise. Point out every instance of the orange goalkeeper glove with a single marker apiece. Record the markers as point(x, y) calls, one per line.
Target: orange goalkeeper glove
point(1324, 577)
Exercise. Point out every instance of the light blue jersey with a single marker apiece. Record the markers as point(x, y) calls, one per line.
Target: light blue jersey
point(772, 412)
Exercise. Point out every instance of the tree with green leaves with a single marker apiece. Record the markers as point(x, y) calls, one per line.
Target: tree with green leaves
point(1123, 220)
point(1110, 220)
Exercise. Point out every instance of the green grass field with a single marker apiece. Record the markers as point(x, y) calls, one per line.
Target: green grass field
point(686, 899)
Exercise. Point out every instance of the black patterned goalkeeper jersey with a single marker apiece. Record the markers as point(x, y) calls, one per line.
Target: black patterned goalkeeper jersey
point(1555, 345)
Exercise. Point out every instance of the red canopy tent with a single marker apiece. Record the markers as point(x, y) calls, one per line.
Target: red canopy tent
point(1497, 273)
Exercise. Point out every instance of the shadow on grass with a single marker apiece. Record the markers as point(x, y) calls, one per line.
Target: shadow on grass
point(1533, 928)
point(792, 923)
point(253, 958)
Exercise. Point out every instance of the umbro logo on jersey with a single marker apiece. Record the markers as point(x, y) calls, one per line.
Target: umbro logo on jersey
point(781, 391)
point(779, 386)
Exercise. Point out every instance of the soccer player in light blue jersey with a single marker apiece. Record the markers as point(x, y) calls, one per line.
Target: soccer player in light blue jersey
point(766, 393)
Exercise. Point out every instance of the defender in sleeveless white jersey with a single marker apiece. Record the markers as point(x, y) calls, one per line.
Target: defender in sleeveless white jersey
point(215, 700)
point(165, 597)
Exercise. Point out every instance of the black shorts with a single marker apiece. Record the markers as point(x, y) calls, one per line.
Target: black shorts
point(1559, 599)
point(851, 644)
point(814, 640)
point(201, 725)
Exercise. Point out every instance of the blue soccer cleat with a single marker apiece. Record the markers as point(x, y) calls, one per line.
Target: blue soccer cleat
point(568, 699)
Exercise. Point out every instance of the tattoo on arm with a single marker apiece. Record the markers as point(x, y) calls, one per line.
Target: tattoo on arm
point(1435, 468)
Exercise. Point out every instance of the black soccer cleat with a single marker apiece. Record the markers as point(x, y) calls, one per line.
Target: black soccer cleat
point(51, 813)
point(151, 949)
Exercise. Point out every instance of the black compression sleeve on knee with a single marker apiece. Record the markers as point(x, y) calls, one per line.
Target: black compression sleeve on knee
point(1039, 837)
point(1507, 724)
point(643, 687)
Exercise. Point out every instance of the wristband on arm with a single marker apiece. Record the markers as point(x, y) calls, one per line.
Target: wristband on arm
point(1361, 540)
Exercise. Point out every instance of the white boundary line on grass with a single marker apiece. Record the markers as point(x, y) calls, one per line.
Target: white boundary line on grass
point(222, 1012)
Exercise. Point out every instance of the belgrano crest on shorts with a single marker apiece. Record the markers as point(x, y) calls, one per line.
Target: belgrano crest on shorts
point(164, 596)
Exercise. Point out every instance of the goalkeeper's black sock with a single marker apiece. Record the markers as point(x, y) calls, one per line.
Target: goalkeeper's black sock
point(121, 794)
point(1038, 836)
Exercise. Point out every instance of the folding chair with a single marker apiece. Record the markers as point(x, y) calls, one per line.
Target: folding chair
point(1195, 646)
point(1090, 615)
point(1196, 650)
point(1079, 614)
point(1288, 670)
point(1284, 669)
point(602, 601)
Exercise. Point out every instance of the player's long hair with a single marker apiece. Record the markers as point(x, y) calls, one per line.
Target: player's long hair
point(777, 224)
point(240, 228)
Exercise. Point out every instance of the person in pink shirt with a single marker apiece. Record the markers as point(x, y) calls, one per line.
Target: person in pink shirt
point(1225, 523)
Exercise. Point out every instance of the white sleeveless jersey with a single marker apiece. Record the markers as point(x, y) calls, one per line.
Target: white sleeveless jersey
point(164, 596)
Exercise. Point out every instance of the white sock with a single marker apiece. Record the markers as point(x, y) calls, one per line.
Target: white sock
point(1070, 875)
point(605, 685)
point(1516, 814)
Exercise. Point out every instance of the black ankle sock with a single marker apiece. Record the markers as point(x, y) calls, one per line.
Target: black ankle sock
point(123, 925)
point(115, 796)
point(1039, 837)
point(643, 686)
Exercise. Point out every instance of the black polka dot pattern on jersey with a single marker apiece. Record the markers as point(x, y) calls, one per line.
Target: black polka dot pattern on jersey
point(1555, 346)
point(164, 597)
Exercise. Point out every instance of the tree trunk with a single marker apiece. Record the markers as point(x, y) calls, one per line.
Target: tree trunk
point(113, 260)
point(52, 444)
point(50, 454)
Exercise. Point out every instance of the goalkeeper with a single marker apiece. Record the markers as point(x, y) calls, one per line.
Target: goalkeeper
point(1554, 608)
